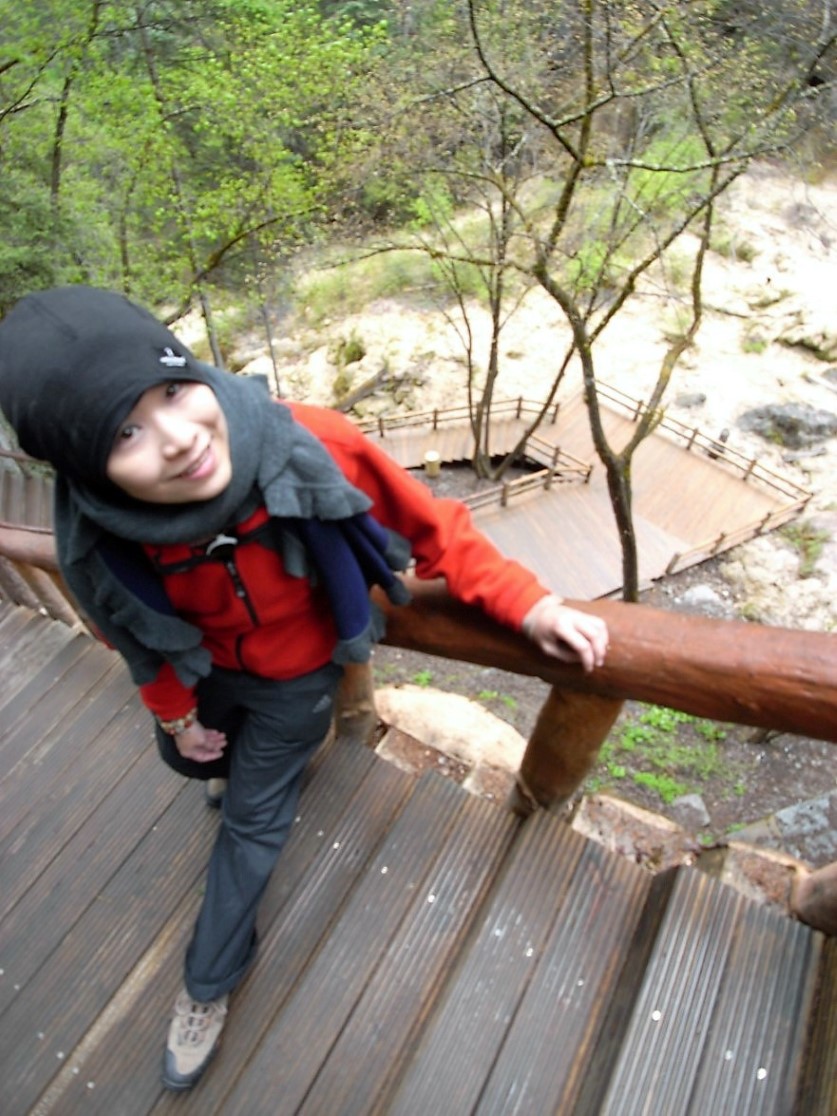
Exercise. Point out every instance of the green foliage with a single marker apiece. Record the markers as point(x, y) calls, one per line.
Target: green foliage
point(665, 786)
point(729, 244)
point(181, 143)
point(663, 184)
point(349, 287)
point(489, 696)
point(591, 268)
point(423, 677)
point(809, 541)
point(753, 345)
point(349, 350)
point(666, 751)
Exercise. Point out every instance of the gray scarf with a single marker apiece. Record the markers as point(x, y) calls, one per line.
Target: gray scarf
point(275, 461)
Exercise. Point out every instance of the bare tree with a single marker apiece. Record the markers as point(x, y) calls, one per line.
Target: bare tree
point(635, 118)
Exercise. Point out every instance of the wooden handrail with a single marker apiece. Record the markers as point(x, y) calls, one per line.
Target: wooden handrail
point(685, 558)
point(726, 670)
point(722, 669)
point(692, 437)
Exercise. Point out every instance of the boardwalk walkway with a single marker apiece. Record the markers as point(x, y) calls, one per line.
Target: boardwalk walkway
point(693, 498)
point(421, 951)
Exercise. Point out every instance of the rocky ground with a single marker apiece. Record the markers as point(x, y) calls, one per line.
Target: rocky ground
point(764, 370)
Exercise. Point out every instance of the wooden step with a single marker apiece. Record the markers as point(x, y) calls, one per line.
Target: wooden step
point(421, 950)
point(349, 802)
point(715, 1025)
point(26, 668)
point(530, 953)
point(817, 1093)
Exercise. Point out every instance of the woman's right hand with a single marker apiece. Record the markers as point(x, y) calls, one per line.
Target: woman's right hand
point(200, 744)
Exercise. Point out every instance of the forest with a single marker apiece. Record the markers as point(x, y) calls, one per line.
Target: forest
point(175, 149)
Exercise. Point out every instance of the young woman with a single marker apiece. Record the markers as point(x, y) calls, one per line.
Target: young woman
point(225, 544)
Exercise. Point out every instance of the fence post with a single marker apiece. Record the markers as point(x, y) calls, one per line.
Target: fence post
point(565, 742)
point(719, 542)
point(355, 717)
point(814, 899)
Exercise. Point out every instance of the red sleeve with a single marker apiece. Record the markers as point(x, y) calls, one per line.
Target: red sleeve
point(444, 539)
point(166, 696)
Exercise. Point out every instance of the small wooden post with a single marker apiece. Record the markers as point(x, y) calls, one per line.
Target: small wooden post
point(562, 749)
point(814, 899)
point(432, 463)
point(355, 717)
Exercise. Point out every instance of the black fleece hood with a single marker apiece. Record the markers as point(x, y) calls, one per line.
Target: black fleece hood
point(73, 362)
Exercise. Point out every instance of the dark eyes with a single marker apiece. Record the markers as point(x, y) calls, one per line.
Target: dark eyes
point(170, 390)
point(126, 432)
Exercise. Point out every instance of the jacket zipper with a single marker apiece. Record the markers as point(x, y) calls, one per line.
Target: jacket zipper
point(241, 590)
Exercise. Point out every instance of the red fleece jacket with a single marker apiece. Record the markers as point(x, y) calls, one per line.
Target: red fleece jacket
point(277, 626)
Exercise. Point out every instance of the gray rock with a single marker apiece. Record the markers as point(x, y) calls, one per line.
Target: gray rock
point(704, 601)
point(687, 400)
point(795, 425)
point(690, 812)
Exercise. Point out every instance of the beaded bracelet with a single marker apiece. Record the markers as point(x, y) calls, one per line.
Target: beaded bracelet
point(172, 728)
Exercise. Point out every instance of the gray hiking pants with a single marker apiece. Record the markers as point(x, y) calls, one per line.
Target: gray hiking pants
point(273, 729)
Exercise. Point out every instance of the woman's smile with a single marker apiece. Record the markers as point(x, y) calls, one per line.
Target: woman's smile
point(173, 446)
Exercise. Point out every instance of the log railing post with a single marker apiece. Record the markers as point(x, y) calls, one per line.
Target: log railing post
point(565, 742)
point(355, 717)
point(814, 899)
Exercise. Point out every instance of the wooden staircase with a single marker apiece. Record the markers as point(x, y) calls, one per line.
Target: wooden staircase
point(421, 950)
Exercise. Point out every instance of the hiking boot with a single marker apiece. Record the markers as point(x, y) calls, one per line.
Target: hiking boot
point(214, 793)
point(192, 1040)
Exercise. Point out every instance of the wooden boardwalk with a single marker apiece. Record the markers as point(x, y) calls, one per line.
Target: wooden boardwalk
point(422, 951)
point(686, 503)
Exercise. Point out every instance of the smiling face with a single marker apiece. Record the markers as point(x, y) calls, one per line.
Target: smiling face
point(173, 447)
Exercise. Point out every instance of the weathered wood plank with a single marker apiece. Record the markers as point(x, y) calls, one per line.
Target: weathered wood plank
point(714, 951)
point(817, 1094)
point(556, 1032)
point(752, 1059)
point(60, 727)
point(340, 830)
point(488, 985)
point(84, 825)
point(378, 1034)
point(26, 701)
point(294, 1048)
point(26, 658)
point(79, 979)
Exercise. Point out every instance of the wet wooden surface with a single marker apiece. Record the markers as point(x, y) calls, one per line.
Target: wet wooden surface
point(421, 950)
